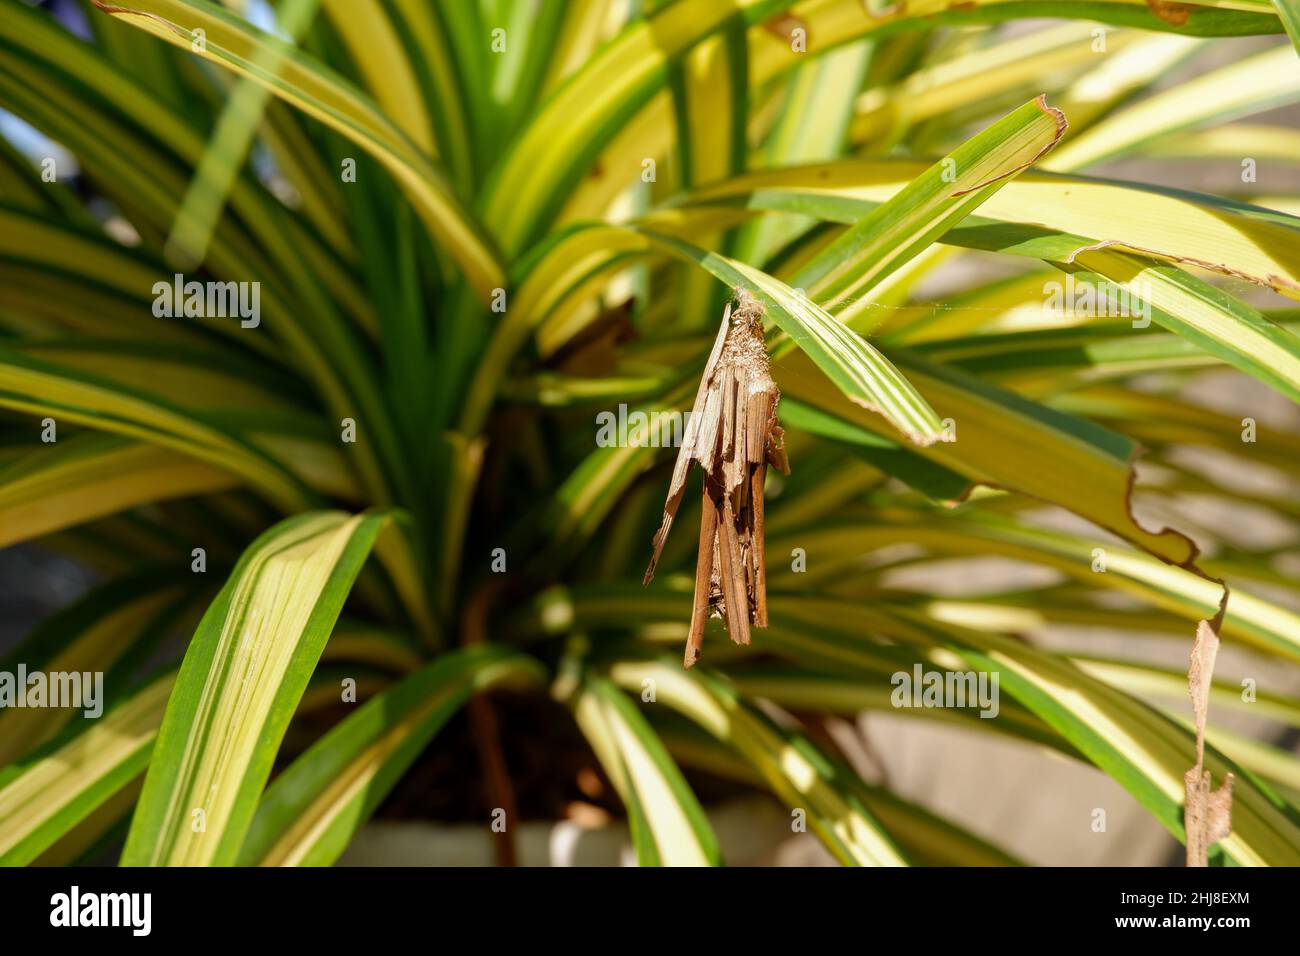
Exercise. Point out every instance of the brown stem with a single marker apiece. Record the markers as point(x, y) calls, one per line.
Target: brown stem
point(498, 789)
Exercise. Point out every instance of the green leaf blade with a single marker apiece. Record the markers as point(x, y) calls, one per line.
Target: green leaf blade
point(239, 684)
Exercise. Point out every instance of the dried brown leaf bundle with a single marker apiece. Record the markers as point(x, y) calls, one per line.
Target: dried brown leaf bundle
point(734, 435)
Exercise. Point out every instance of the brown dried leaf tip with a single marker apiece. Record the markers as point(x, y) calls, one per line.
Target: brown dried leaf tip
point(1207, 813)
point(734, 435)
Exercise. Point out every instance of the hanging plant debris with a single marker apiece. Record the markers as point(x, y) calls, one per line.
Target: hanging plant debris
point(734, 435)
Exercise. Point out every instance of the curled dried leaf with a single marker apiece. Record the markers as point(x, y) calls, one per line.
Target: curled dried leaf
point(1207, 813)
point(1207, 816)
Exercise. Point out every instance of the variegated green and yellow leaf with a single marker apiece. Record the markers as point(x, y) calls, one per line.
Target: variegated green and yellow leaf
point(797, 772)
point(669, 827)
point(47, 795)
point(240, 682)
point(309, 814)
point(240, 47)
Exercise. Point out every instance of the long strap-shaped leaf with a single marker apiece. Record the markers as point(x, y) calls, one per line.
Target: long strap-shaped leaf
point(865, 376)
point(1289, 12)
point(105, 632)
point(243, 675)
point(996, 431)
point(218, 169)
point(1038, 363)
point(1254, 84)
point(71, 268)
point(311, 811)
point(89, 476)
point(42, 799)
point(1223, 235)
point(234, 44)
point(668, 824)
point(1136, 746)
point(63, 798)
point(813, 126)
point(119, 144)
point(424, 33)
point(929, 840)
point(1003, 440)
point(883, 240)
point(841, 275)
point(571, 127)
point(795, 770)
point(36, 387)
point(710, 95)
point(1254, 620)
point(1213, 319)
point(845, 691)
